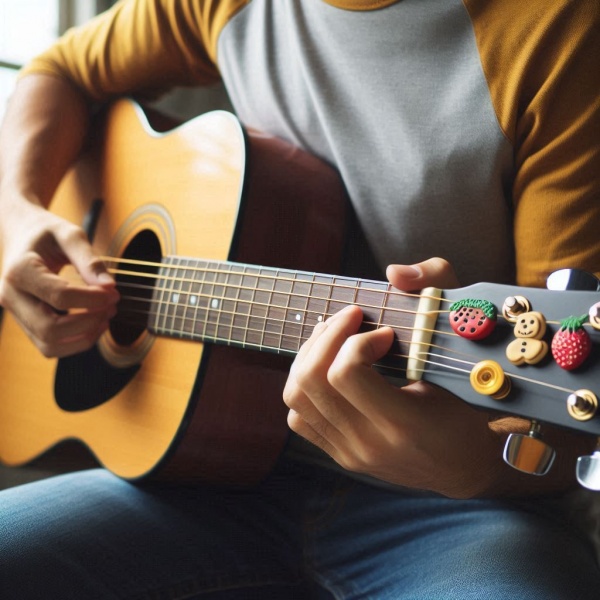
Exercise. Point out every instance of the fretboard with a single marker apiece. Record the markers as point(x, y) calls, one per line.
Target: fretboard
point(267, 308)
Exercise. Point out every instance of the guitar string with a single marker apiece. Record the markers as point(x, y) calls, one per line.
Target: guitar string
point(263, 331)
point(422, 357)
point(259, 275)
point(267, 306)
point(510, 375)
point(226, 285)
point(254, 289)
point(388, 292)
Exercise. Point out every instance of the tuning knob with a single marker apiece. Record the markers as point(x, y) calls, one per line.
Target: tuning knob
point(528, 453)
point(573, 279)
point(588, 471)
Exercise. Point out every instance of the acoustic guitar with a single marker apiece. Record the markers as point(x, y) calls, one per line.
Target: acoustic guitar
point(220, 240)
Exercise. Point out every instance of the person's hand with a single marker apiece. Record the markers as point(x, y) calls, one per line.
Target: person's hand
point(417, 436)
point(60, 316)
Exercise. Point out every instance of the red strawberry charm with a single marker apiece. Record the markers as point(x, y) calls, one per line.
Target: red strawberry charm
point(571, 344)
point(473, 319)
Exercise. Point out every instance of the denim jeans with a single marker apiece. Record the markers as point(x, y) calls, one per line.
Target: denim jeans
point(306, 532)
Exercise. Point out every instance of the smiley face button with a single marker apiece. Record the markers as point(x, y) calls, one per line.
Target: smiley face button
point(528, 347)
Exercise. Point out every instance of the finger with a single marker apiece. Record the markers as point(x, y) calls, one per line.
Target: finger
point(311, 363)
point(299, 425)
point(353, 377)
point(80, 254)
point(434, 272)
point(308, 392)
point(307, 383)
point(315, 360)
point(76, 344)
point(55, 334)
point(33, 277)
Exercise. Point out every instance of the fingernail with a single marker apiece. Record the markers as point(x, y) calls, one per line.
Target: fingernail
point(105, 279)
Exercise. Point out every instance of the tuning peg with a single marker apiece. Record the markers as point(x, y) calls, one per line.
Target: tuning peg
point(528, 453)
point(572, 279)
point(588, 470)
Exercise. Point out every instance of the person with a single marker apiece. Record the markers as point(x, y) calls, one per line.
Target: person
point(463, 130)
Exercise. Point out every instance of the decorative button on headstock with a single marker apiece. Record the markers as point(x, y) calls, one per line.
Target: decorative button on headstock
point(473, 319)
point(528, 347)
point(594, 316)
point(488, 378)
point(571, 344)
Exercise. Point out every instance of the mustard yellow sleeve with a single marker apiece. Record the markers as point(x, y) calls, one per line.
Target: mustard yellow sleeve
point(542, 64)
point(141, 47)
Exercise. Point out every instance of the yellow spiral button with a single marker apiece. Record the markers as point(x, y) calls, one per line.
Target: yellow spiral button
point(488, 378)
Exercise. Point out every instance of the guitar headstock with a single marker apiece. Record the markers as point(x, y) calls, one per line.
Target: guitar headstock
point(513, 370)
point(538, 391)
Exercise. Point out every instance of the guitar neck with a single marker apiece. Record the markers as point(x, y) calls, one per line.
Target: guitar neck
point(266, 308)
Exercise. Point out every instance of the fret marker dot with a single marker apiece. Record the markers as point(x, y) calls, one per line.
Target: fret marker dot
point(320, 318)
point(214, 303)
point(175, 298)
point(298, 317)
point(193, 299)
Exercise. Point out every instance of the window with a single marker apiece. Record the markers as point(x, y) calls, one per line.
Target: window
point(27, 27)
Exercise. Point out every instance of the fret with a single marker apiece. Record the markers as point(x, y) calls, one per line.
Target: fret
point(269, 308)
point(172, 298)
point(342, 293)
point(386, 296)
point(305, 314)
point(398, 313)
point(166, 283)
point(318, 303)
point(259, 306)
point(248, 294)
point(239, 323)
point(213, 291)
point(195, 296)
point(273, 321)
point(296, 312)
point(185, 309)
point(199, 299)
point(168, 316)
point(216, 302)
point(233, 282)
point(281, 302)
point(158, 304)
point(231, 285)
point(176, 300)
point(371, 296)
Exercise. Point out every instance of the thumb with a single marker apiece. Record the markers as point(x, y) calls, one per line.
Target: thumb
point(90, 267)
point(434, 272)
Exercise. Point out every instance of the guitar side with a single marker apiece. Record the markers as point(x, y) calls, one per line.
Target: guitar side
point(189, 411)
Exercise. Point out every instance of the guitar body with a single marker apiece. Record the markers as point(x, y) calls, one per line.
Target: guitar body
point(166, 407)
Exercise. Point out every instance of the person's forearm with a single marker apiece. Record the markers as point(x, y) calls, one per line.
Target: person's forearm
point(42, 132)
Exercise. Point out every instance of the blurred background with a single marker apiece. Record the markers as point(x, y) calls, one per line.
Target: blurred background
point(29, 26)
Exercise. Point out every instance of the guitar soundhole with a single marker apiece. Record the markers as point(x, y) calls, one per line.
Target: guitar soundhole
point(89, 379)
point(136, 288)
